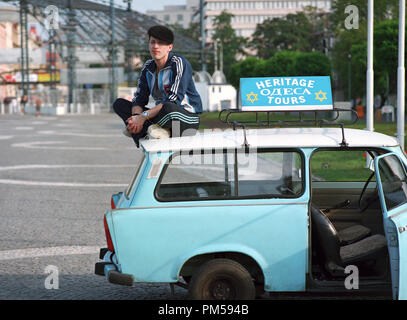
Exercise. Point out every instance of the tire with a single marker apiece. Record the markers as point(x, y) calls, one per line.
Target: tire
point(221, 279)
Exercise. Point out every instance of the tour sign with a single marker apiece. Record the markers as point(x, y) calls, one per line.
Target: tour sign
point(286, 93)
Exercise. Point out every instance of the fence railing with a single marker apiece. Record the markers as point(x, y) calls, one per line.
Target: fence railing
point(55, 101)
point(91, 101)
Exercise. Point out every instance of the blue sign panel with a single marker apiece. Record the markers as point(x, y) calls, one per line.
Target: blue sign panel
point(286, 93)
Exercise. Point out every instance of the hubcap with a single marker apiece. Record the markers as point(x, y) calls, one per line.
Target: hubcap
point(222, 290)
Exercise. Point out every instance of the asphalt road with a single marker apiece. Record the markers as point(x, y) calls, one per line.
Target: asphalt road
point(57, 175)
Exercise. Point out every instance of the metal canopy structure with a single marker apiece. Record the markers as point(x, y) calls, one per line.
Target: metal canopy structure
point(93, 24)
point(104, 29)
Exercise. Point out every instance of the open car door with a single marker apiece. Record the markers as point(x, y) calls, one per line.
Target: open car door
point(391, 178)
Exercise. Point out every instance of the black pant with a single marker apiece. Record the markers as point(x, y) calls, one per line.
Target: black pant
point(171, 116)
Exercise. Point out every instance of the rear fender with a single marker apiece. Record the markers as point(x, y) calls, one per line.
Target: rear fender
point(235, 248)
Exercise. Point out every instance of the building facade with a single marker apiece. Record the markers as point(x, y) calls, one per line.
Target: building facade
point(249, 13)
point(10, 51)
point(9, 38)
point(177, 14)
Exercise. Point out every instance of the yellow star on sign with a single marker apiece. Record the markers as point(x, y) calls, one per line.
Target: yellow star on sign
point(323, 95)
point(251, 97)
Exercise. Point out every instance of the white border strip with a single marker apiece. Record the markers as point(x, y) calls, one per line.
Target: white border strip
point(288, 108)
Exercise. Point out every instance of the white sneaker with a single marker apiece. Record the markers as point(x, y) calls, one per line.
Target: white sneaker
point(157, 132)
point(126, 133)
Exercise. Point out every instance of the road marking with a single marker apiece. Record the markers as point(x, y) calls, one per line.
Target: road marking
point(78, 134)
point(62, 124)
point(24, 128)
point(38, 122)
point(45, 145)
point(60, 184)
point(59, 166)
point(46, 252)
point(5, 137)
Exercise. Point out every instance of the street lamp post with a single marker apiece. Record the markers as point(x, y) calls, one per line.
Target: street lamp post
point(369, 72)
point(129, 46)
point(113, 56)
point(202, 27)
point(349, 77)
point(401, 76)
point(71, 59)
point(25, 67)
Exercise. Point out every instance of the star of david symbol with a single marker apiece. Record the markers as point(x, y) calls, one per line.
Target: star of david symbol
point(320, 93)
point(251, 97)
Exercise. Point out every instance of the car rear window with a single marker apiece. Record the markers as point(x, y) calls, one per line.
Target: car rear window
point(231, 174)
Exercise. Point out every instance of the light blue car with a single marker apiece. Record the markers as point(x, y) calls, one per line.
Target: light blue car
point(236, 213)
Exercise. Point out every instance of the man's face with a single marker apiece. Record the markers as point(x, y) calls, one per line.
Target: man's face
point(159, 49)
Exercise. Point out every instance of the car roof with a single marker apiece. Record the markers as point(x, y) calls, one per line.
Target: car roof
point(273, 138)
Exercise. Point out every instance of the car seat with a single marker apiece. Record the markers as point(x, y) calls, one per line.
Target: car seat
point(351, 234)
point(336, 256)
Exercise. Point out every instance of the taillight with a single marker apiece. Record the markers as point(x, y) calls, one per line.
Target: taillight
point(108, 237)
point(112, 204)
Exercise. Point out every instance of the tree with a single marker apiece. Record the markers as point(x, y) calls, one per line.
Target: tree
point(383, 10)
point(301, 32)
point(230, 44)
point(320, 28)
point(282, 64)
point(312, 64)
point(385, 62)
point(386, 45)
point(358, 66)
point(289, 33)
point(193, 32)
point(353, 42)
point(243, 69)
point(345, 41)
point(386, 57)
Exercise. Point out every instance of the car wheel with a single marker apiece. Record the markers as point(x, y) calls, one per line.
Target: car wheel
point(221, 279)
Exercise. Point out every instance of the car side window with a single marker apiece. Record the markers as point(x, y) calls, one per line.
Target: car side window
point(340, 165)
point(197, 176)
point(270, 173)
point(231, 174)
point(393, 178)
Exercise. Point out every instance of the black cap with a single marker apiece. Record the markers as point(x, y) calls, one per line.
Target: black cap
point(161, 33)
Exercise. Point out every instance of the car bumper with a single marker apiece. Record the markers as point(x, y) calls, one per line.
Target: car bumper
point(109, 268)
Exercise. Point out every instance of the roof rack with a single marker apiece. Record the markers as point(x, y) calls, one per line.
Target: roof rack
point(226, 115)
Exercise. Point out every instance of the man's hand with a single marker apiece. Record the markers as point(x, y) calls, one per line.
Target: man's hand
point(135, 124)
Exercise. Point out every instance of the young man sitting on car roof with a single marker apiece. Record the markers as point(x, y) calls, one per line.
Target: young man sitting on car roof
point(168, 78)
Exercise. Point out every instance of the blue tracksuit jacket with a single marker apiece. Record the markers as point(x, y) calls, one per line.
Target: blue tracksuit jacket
point(175, 84)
